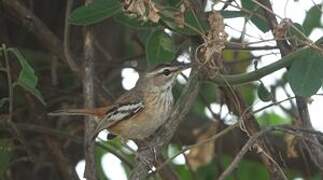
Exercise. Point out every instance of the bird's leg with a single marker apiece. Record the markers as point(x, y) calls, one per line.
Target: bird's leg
point(111, 136)
point(146, 154)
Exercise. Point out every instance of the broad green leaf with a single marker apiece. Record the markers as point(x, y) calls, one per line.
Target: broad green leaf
point(272, 119)
point(133, 22)
point(312, 19)
point(27, 77)
point(247, 92)
point(193, 25)
point(294, 36)
point(305, 74)
point(99, 153)
point(263, 93)
point(5, 155)
point(207, 172)
point(252, 169)
point(3, 101)
point(256, 18)
point(232, 14)
point(95, 12)
point(160, 48)
point(208, 91)
point(173, 3)
point(183, 172)
point(246, 169)
point(237, 61)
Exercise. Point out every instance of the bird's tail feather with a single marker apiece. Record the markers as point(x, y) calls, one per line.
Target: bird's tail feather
point(72, 112)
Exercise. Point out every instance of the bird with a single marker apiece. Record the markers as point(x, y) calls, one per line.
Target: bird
point(137, 113)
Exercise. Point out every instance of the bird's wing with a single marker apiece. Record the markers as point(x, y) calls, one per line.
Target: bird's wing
point(125, 107)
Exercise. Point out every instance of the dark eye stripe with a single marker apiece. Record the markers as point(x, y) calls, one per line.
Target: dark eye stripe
point(166, 72)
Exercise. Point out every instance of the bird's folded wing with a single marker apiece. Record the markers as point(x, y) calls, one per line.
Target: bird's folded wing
point(123, 109)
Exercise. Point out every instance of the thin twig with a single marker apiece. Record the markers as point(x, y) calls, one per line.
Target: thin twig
point(16, 131)
point(67, 51)
point(213, 138)
point(242, 152)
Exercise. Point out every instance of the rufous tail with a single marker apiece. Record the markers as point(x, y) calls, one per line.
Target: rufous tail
point(73, 112)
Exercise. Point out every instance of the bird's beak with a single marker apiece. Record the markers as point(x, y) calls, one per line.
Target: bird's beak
point(182, 67)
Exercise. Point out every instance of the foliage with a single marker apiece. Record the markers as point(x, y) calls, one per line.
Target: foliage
point(305, 74)
point(139, 34)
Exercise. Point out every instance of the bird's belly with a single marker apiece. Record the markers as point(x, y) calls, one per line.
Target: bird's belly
point(141, 126)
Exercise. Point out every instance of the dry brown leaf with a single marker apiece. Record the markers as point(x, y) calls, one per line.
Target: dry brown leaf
point(203, 154)
point(281, 29)
point(180, 16)
point(291, 146)
point(214, 43)
point(153, 13)
point(143, 9)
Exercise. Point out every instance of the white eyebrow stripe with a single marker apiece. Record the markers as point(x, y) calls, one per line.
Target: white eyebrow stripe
point(164, 68)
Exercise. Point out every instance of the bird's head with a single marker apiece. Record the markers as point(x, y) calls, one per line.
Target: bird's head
point(162, 77)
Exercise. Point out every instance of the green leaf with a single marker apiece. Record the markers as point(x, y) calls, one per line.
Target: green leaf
point(305, 74)
point(193, 24)
point(183, 172)
point(263, 93)
point(232, 14)
point(27, 77)
point(5, 156)
point(247, 92)
point(95, 12)
point(238, 61)
point(3, 101)
point(246, 168)
point(133, 22)
point(312, 19)
point(249, 168)
point(256, 17)
point(207, 171)
point(160, 48)
point(272, 119)
point(208, 90)
point(99, 153)
point(295, 37)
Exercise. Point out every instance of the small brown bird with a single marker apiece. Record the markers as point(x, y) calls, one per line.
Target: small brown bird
point(138, 113)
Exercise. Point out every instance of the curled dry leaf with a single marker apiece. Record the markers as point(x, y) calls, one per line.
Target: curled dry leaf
point(281, 29)
point(203, 154)
point(291, 146)
point(153, 13)
point(143, 9)
point(179, 16)
point(210, 52)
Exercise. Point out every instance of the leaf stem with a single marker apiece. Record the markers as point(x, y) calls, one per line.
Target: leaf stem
point(257, 74)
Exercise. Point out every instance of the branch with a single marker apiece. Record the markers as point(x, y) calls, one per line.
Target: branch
point(79, 140)
point(39, 29)
point(257, 74)
point(67, 28)
point(46, 37)
point(316, 153)
point(242, 152)
point(241, 46)
point(88, 92)
point(63, 166)
point(250, 126)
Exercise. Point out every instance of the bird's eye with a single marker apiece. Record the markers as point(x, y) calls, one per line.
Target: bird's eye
point(166, 72)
